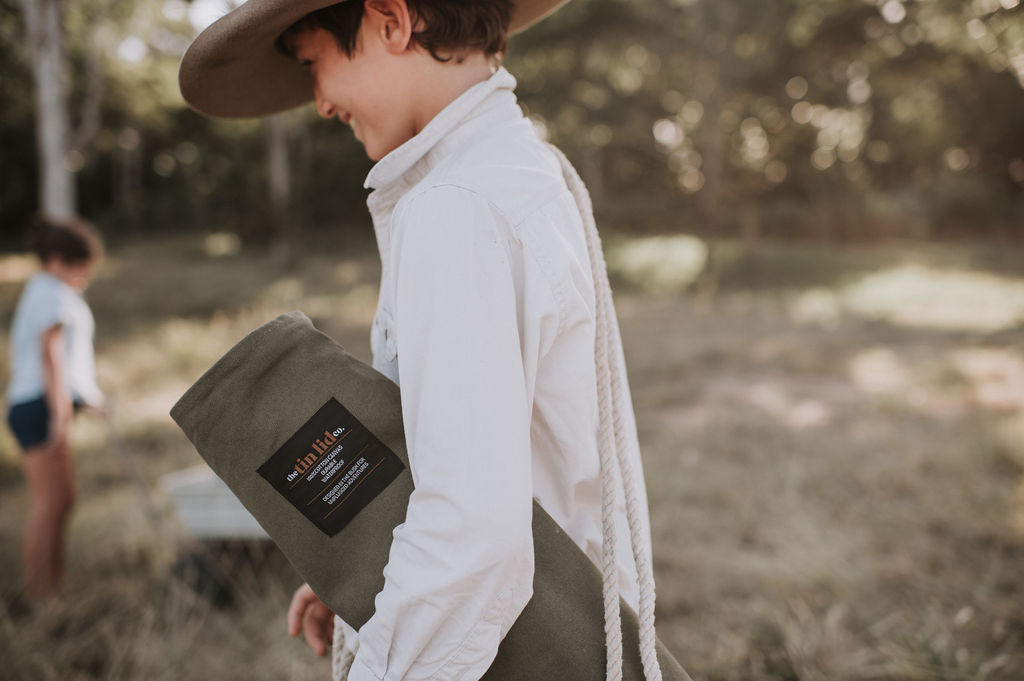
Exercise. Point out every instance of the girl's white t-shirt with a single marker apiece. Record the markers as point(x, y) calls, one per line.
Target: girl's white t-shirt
point(46, 302)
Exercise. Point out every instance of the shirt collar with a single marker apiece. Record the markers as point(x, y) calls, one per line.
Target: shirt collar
point(479, 107)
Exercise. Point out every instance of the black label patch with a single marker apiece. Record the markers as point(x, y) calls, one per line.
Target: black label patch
point(331, 468)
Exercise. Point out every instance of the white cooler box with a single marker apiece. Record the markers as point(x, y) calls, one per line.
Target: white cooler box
point(207, 507)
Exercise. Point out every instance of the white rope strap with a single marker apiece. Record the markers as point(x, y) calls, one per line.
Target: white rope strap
point(608, 465)
point(644, 569)
point(610, 373)
point(341, 656)
point(605, 445)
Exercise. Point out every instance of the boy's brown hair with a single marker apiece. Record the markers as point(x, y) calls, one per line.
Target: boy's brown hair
point(70, 240)
point(447, 26)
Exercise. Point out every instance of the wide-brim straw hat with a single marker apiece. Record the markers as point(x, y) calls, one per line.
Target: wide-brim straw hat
point(233, 70)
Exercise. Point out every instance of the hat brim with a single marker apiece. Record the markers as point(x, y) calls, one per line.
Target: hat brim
point(233, 70)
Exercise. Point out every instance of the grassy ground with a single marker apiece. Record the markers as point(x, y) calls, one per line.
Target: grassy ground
point(834, 444)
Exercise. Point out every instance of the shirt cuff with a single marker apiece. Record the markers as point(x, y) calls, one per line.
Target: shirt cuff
point(473, 657)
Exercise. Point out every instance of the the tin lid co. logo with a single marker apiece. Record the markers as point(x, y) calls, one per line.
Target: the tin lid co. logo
point(331, 468)
point(319, 447)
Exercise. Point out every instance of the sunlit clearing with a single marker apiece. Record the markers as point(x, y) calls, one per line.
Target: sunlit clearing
point(920, 296)
point(996, 376)
point(879, 370)
point(794, 412)
point(816, 305)
point(17, 268)
point(663, 264)
point(221, 244)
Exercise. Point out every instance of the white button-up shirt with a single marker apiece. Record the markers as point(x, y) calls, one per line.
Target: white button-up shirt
point(486, 320)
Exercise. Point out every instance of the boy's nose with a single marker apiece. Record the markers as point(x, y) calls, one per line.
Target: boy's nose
point(323, 107)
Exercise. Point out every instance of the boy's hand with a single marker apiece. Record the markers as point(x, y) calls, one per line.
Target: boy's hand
point(308, 614)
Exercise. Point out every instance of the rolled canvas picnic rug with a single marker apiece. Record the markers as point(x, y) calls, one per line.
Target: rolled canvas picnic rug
point(310, 440)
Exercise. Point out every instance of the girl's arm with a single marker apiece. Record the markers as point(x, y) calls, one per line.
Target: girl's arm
point(58, 398)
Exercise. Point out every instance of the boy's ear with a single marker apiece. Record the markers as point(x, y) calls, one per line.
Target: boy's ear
point(391, 22)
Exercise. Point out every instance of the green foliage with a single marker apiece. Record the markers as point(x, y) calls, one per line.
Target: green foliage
point(838, 119)
point(732, 111)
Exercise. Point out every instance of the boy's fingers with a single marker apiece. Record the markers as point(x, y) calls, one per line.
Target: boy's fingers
point(316, 629)
point(309, 616)
point(297, 609)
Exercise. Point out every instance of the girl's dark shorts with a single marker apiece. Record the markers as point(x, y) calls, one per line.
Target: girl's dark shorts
point(30, 422)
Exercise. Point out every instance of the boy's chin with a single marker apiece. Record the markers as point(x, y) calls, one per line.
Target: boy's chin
point(369, 148)
point(375, 152)
point(377, 146)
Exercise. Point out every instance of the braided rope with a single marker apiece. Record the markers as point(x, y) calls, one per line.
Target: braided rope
point(609, 564)
point(605, 443)
point(341, 656)
point(626, 442)
point(644, 569)
point(610, 372)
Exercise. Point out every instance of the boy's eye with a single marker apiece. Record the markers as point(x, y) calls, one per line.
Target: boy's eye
point(306, 63)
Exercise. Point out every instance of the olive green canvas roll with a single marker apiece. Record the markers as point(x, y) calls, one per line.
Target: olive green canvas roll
point(310, 440)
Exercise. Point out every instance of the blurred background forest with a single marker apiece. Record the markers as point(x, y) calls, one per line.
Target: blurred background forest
point(834, 120)
point(813, 215)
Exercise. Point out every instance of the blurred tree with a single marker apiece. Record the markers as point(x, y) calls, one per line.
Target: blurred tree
point(280, 180)
point(845, 119)
point(833, 120)
point(44, 37)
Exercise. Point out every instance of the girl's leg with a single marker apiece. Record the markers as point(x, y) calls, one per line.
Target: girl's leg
point(50, 474)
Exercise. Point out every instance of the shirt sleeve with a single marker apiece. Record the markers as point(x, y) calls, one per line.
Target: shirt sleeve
point(461, 565)
point(50, 306)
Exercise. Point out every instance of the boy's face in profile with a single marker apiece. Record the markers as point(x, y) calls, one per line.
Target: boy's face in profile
point(360, 90)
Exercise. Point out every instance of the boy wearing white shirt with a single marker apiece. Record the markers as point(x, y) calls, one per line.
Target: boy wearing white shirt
point(487, 316)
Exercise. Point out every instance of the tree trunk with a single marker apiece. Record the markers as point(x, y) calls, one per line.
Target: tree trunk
point(711, 80)
point(129, 179)
point(57, 183)
point(709, 197)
